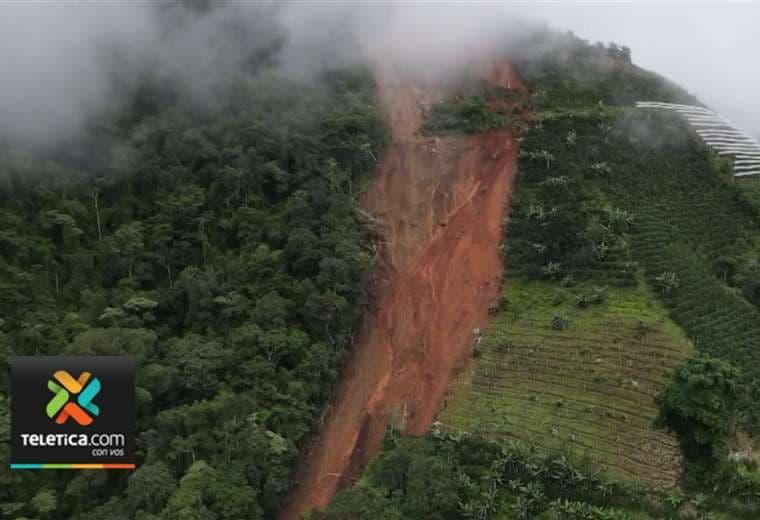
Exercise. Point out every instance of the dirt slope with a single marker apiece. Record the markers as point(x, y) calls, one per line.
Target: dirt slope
point(441, 202)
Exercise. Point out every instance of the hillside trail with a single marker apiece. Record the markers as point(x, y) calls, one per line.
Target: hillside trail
point(441, 202)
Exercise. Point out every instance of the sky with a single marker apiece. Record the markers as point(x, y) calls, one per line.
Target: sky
point(710, 48)
point(61, 62)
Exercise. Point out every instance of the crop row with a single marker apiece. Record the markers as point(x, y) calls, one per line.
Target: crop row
point(593, 375)
point(630, 451)
point(549, 419)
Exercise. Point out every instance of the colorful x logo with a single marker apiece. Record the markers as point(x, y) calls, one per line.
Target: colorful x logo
point(84, 388)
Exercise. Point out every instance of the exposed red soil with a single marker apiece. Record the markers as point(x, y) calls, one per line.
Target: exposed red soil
point(441, 202)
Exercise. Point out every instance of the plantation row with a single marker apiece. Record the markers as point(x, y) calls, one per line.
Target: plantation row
point(658, 341)
point(692, 231)
point(718, 319)
point(587, 388)
point(713, 233)
point(565, 375)
point(628, 244)
point(559, 232)
point(586, 374)
point(564, 393)
point(576, 423)
point(702, 230)
point(620, 447)
point(611, 361)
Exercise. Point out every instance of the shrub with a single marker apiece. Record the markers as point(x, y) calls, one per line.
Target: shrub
point(559, 322)
point(593, 297)
point(552, 270)
point(700, 405)
point(641, 330)
point(466, 114)
point(666, 281)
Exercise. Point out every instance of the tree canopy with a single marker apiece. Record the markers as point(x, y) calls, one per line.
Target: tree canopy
point(221, 248)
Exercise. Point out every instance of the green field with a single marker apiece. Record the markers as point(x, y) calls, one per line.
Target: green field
point(588, 389)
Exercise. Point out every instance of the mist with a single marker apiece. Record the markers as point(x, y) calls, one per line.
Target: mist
point(52, 61)
point(710, 49)
point(66, 62)
point(63, 63)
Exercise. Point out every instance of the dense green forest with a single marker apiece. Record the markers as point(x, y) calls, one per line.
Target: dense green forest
point(222, 249)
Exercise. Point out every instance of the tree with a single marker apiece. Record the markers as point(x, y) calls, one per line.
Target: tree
point(206, 494)
point(128, 242)
point(62, 227)
point(113, 342)
point(700, 405)
point(142, 310)
point(5, 360)
point(200, 363)
point(223, 251)
point(44, 502)
point(417, 481)
point(149, 488)
point(666, 281)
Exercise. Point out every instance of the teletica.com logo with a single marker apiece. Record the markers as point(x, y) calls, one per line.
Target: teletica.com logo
point(72, 412)
point(85, 388)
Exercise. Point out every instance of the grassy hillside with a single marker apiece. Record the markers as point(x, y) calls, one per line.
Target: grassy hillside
point(693, 228)
point(617, 198)
point(582, 380)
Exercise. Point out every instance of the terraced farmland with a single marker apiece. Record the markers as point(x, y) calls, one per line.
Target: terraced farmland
point(588, 389)
point(715, 316)
point(691, 220)
point(751, 185)
point(631, 200)
point(704, 229)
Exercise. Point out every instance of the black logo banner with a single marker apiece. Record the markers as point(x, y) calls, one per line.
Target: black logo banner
point(71, 412)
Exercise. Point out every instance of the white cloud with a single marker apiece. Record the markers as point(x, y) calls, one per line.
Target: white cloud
point(711, 49)
point(57, 61)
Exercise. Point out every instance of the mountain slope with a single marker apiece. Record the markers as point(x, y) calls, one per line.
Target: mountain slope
point(587, 389)
point(222, 250)
point(439, 203)
point(629, 250)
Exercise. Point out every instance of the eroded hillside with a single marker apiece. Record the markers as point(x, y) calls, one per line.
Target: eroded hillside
point(439, 202)
point(607, 383)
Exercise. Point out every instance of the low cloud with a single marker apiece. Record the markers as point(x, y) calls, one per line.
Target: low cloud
point(64, 62)
point(711, 49)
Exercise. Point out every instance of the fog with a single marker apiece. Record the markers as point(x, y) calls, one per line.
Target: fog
point(62, 63)
point(711, 49)
point(51, 64)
